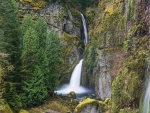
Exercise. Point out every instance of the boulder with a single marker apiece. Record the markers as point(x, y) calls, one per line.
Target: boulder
point(88, 106)
point(72, 94)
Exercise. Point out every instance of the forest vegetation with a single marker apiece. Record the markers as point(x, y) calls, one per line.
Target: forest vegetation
point(35, 59)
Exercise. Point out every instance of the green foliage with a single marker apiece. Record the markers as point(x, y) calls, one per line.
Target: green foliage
point(33, 78)
point(4, 67)
point(12, 95)
point(10, 26)
point(52, 60)
point(41, 29)
point(34, 89)
point(91, 59)
point(85, 3)
point(27, 22)
point(10, 45)
point(88, 66)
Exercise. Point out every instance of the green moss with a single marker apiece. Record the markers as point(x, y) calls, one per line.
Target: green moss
point(126, 85)
point(127, 110)
point(36, 4)
point(132, 10)
point(108, 26)
point(72, 94)
point(102, 106)
point(23, 111)
point(90, 17)
point(90, 61)
point(5, 109)
point(84, 103)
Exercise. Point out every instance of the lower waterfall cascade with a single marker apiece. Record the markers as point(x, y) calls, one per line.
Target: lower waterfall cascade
point(74, 84)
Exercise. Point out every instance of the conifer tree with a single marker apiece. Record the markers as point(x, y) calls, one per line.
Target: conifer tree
point(4, 67)
point(10, 45)
point(41, 30)
point(34, 89)
point(10, 26)
point(27, 22)
point(52, 60)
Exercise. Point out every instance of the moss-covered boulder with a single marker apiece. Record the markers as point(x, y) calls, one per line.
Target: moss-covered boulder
point(88, 106)
point(72, 95)
point(91, 106)
point(23, 111)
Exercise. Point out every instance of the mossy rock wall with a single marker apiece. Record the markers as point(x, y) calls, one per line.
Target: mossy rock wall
point(118, 29)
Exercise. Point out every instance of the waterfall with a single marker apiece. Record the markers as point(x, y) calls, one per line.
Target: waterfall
point(74, 84)
point(144, 106)
point(76, 76)
point(85, 29)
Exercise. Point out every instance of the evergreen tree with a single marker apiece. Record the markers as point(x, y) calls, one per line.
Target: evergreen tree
point(34, 89)
point(27, 22)
point(4, 67)
point(10, 26)
point(10, 45)
point(41, 30)
point(52, 60)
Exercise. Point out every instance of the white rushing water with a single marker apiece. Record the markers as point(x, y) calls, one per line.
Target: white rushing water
point(85, 29)
point(145, 101)
point(145, 105)
point(74, 84)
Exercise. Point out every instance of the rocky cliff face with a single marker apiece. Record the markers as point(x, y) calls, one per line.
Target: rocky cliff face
point(120, 32)
point(103, 79)
point(67, 23)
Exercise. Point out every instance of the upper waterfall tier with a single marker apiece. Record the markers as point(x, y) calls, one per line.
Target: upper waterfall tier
point(85, 29)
